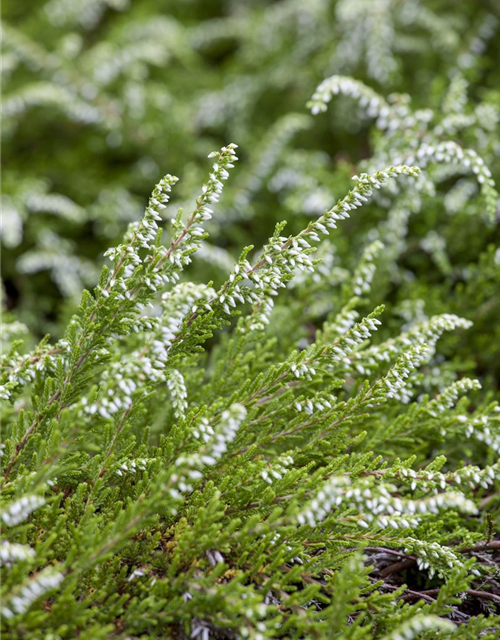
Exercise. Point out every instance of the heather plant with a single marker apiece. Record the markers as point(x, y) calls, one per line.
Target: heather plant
point(274, 410)
point(154, 487)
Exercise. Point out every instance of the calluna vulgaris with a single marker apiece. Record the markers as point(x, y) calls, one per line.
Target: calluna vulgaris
point(301, 442)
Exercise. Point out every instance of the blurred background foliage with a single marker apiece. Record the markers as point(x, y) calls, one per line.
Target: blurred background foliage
point(103, 97)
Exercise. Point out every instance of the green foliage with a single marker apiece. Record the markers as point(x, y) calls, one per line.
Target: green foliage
point(298, 440)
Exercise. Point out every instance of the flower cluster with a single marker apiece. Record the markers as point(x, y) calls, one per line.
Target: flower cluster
point(447, 398)
point(177, 386)
point(363, 276)
point(483, 428)
point(42, 93)
point(427, 332)
point(377, 507)
point(397, 119)
point(434, 480)
point(19, 510)
point(397, 379)
point(129, 378)
point(432, 556)
point(277, 471)
point(41, 583)
point(215, 439)
point(162, 264)
point(451, 153)
point(132, 466)
point(11, 552)
point(21, 371)
point(331, 495)
point(374, 105)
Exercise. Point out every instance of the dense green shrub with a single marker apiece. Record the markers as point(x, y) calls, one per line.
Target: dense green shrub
point(296, 440)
